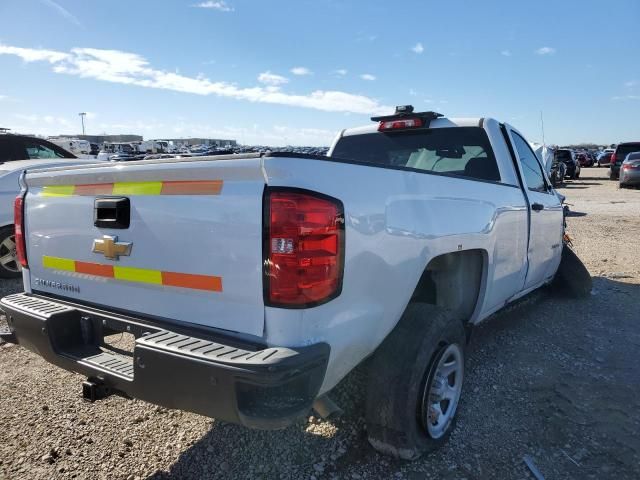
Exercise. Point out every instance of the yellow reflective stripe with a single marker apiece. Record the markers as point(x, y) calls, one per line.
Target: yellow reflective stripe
point(141, 275)
point(137, 188)
point(59, 263)
point(58, 190)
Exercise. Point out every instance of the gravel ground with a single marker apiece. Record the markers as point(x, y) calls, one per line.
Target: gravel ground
point(552, 378)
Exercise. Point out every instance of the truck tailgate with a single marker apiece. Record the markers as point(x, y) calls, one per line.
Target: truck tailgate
point(192, 251)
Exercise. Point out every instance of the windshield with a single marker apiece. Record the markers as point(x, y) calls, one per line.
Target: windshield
point(462, 151)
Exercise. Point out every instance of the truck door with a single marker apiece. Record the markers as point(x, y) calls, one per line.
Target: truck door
point(545, 215)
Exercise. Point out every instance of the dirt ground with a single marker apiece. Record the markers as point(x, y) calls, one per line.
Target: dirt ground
point(552, 378)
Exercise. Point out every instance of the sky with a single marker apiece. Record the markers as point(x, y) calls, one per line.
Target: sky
point(276, 72)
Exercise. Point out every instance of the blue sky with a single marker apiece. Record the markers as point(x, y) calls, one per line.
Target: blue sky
point(296, 72)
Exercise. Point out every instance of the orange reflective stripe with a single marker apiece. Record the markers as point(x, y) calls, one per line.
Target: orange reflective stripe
point(189, 280)
point(195, 187)
point(92, 189)
point(96, 269)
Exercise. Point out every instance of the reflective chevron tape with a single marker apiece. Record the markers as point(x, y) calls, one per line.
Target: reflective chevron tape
point(133, 274)
point(173, 187)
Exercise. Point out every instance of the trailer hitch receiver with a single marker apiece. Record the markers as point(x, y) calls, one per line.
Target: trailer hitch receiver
point(93, 390)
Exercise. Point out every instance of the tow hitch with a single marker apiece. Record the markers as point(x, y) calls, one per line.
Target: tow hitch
point(93, 390)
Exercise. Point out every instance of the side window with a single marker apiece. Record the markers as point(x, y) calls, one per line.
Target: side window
point(533, 175)
point(38, 150)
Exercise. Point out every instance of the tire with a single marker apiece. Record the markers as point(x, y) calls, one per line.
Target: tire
point(572, 278)
point(9, 265)
point(405, 374)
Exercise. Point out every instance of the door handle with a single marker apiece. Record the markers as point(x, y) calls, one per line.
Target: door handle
point(537, 207)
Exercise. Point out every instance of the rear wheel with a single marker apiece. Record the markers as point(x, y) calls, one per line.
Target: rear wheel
point(9, 265)
point(415, 383)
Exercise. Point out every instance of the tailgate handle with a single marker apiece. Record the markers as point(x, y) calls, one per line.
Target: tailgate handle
point(113, 212)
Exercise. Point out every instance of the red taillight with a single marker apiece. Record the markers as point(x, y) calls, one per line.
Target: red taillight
point(18, 221)
point(304, 248)
point(399, 124)
point(613, 159)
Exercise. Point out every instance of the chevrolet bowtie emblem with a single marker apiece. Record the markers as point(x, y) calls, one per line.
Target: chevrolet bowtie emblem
point(111, 248)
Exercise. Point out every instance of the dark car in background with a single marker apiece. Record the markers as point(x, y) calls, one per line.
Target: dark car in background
point(584, 159)
point(567, 157)
point(604, 159)
point(620, 153)
point(630, 171)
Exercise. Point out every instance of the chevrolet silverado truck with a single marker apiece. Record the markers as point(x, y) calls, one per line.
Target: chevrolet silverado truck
point(254, 283)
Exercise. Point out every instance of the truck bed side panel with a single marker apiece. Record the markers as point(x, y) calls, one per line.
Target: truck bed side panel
point(396, 222)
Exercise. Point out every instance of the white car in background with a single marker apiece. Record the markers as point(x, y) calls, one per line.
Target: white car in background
point(17, 154)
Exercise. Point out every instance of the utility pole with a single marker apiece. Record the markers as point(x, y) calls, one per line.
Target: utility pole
point(82, 115)
point(542, 125)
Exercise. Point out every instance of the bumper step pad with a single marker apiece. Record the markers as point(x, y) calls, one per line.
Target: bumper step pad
point(217, 375)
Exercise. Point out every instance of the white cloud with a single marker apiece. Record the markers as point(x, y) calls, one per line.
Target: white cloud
point(131, 69)
point(412, 92)
point(368, 76)
point(631, 83)
point(505, 53)
point(341, 72)
point(626, 97)
point(62, 11)
point(545, 51)
point(34, 54)
point(3, 97)
point(214, 5)
point(272, 79)
point(301, 71)
point(418, 48)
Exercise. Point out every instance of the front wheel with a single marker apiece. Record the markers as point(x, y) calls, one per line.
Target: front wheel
point(572, 277)
point(415, 383)
point(9, 265)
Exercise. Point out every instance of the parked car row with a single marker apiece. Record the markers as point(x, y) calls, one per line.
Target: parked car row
point(625, 164)
point(17, 154)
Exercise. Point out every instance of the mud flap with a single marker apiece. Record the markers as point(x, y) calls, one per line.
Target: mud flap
point(572, 277)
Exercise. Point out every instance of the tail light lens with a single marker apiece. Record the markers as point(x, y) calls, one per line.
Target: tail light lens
point(18, 221)
point(304, 248)
point(613, 159)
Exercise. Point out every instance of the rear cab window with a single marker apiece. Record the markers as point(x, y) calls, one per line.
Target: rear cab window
point(460, 151)
point(36, 149)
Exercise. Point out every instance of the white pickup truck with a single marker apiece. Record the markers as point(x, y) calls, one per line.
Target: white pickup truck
point(254, 283)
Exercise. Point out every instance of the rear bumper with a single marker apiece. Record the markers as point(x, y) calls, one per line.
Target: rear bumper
point(219, 377)
point(628, 177)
